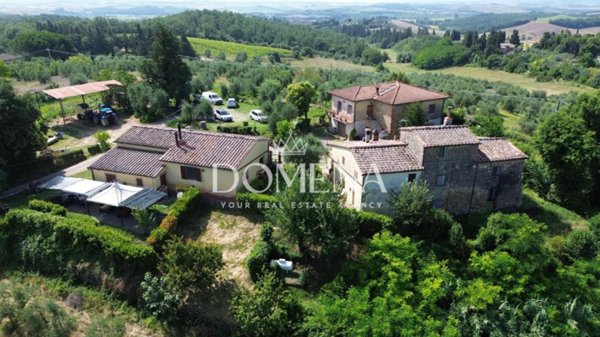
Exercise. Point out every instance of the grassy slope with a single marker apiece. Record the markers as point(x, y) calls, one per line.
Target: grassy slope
point(559, 220)
point(230, 49)
point(552, 88)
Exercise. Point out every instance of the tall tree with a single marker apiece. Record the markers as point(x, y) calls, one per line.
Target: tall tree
point(300, 95)
point(165, 69)
point(514, 38)
point(569, 149)
point(186, 46)
point(20, 129)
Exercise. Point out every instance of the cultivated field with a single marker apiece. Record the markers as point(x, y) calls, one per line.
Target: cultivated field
point(529, 83)
point(230, 49)
point(534, 31)
point(403, 24)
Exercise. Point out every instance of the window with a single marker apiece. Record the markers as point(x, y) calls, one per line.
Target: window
point(437, 203)
point(496, 171)
point(111, 177)
point(163, 179)
point(442, 152)
point(349, 109)
point(431, 109)
point(440, 180)
point(191, 173)
point(139, 182)
point(492, 194)
point(412, 177)
point(339, 106)
point(343, 160)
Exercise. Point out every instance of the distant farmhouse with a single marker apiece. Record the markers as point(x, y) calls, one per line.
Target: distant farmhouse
point(167, 159)
point(465, 173)
point(379, 107)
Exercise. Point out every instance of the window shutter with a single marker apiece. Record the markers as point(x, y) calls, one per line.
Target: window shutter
point(183, 172)
point(198, 174)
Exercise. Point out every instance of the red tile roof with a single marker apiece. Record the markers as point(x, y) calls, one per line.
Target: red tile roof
point(443, 135)
point(393, 93)
point(199, 148)
point(384, 156)
point(497, 149)
point(130, 161)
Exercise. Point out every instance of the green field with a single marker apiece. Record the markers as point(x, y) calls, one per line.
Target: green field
point(230, 49)
point(478, 73)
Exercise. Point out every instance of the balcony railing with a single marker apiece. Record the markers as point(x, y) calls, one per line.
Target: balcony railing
point(342, 116)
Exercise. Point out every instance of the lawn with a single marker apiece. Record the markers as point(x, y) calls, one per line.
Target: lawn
point(559, 219)
point(320, 62)
point(230, 49)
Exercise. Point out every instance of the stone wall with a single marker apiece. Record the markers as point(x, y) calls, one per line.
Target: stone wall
point(505, 178)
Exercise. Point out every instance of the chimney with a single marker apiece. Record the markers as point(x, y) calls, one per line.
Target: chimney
point(375, 135)
point(448, 119)
point(376, 89)
point(176, 139)
point(367, 135)
point(179, 130)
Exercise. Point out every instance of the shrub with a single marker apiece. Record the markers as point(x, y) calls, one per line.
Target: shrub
point(73, 246)
point(178, 213)
point(580, 245)
point(259, 259)
point(47, 207)
point(370, 223)
point(94, 149)
point(69, 158)
point(256, 201)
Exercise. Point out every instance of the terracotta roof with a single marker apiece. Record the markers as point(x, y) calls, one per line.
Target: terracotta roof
point(389, 92)
point(497, 149)
point(443, 135)
point(361, 144)
point(385, 156)
point(130, 161)
point(199, 148)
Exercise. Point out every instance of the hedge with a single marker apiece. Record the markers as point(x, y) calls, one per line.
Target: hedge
point(370, 223)
point(255, 201)
point(178, 213)
point(47, 207)
point(74, 246)
point(259, 259)
point(69, 158)
point(94, 149)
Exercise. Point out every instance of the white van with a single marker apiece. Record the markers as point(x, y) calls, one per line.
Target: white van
point(212, 97)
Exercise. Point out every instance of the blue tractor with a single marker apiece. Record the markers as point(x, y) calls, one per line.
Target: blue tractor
point(103, 115)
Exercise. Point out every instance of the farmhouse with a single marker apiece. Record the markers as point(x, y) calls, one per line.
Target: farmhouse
point(170, 159)
point(464, 173)
point(379, 107)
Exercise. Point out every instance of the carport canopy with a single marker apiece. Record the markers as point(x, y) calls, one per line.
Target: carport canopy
point(82, 89)
point(112, 194)
point(79, 186)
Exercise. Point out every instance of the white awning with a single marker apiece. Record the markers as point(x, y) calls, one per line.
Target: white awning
point(113, 194)
point(80, 186)
point(119, 195)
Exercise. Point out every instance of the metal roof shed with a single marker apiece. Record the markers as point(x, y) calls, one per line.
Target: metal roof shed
point(80, 90)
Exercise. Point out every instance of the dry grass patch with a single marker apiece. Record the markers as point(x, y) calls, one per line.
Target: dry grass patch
point(234, 232)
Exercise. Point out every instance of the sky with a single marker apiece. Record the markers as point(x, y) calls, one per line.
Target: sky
point(45, 6)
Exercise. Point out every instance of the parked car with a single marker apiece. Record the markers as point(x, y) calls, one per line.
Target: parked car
point(212, 97)
point(232, 103)
point(223, 115)
point(257, 115)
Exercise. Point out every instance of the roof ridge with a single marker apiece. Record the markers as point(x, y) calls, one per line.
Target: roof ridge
point(199, 132)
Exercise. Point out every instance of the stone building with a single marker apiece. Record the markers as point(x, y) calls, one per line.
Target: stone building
point(465, 173)
point(380, 107)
